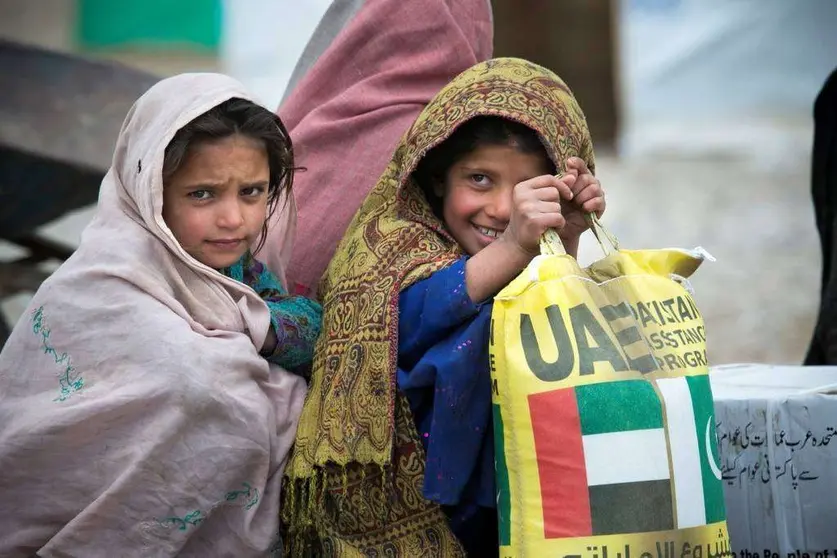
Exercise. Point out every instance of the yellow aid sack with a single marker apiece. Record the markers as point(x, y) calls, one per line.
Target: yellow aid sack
point(603, 415)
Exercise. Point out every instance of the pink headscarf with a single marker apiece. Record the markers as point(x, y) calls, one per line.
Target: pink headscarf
point(349, 111)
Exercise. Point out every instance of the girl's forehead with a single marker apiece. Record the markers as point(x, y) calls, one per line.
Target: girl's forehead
point(232, 159)
point(506, 157)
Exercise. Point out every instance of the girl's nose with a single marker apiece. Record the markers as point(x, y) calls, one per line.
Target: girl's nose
point(500, 206)
point(230, 215)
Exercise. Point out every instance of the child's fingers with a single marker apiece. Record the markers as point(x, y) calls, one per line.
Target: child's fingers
point(543, 181)
point(551, 221)
point(588, 192)
point(545, 187)
point(548, 207)
point(565, 186)
point(578, 165)
point(545, 194)
point(569, 171)
point(596, 205)
point(583, 181)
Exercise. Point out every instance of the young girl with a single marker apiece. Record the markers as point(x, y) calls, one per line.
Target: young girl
point(138, 409)
point(397, 428)
point(223, 174)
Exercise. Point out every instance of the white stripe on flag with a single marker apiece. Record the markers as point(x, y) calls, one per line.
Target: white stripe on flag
point(685, 452)
point(630, 456)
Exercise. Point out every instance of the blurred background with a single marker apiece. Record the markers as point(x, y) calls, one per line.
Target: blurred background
point(700, 112)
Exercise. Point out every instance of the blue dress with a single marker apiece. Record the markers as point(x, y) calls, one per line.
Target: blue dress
point(443, 371)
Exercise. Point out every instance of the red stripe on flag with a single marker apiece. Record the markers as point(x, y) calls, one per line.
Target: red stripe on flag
point(560, 453)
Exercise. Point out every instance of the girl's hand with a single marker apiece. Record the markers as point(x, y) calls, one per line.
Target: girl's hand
point(588, 197)
point(536, 207)
point(270, 342)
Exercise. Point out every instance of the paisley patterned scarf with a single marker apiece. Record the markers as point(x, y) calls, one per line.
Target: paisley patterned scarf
point(355, 477)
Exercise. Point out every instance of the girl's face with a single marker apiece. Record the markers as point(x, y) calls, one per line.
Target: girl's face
point(478, 192)
point(216, 202)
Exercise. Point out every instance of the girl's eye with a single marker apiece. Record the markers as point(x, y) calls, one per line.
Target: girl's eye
point(200, 195)
point(252, 191)
point(480, 179)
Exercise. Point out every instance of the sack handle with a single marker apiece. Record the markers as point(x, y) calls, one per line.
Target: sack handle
point(551, 244)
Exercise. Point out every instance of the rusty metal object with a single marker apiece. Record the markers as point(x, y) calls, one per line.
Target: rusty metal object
point(60, 115)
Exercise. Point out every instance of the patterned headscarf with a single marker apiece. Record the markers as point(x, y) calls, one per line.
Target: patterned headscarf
point(356, 474)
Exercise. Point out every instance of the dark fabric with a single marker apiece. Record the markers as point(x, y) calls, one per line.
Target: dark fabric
point(823, 349)
point(479, 534)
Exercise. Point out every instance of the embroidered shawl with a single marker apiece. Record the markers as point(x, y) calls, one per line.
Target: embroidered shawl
point(356, 473)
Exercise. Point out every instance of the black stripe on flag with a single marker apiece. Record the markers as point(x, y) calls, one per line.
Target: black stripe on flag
point(631, 507)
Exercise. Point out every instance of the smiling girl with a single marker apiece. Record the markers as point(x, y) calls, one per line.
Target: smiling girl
point(397, 426)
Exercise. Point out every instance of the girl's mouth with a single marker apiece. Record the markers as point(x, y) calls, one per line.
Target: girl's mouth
point(226, 243)
point(490, 233)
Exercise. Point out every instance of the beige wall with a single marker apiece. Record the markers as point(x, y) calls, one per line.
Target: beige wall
point(47, 23)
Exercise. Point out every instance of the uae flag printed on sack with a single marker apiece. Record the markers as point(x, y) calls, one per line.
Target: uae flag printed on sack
point(609, 463)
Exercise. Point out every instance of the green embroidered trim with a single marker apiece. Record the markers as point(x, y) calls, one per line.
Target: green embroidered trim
point(70, 381)
point(250, 492)
point(194, 519)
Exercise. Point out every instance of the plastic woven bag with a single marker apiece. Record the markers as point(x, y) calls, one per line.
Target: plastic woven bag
point(604, 422)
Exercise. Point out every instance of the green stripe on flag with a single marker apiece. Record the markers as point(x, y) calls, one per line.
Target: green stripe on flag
point(704, 413)
point(502, 476)
point(618, 406)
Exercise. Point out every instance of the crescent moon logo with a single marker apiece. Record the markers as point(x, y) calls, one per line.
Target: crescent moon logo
point(710, 455)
